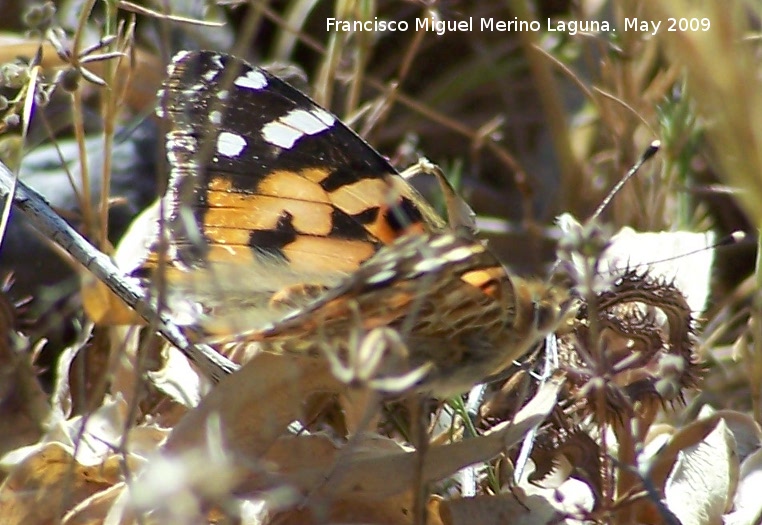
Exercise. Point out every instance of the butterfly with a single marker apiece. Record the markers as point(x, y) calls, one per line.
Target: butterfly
point(287, 230)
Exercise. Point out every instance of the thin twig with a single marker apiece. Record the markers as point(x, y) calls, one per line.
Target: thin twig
point(46, 221)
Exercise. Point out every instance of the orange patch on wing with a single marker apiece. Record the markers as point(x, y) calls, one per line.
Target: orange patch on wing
point(414, 228)
point(316, 175)
point(311, 255)
point(264, 212)
point(381, 229)
point(486, 279)
point(359, 196)
point(235, 254)
point(227, 236)
point(374, 193)
point(291, 185)
point(325, 254)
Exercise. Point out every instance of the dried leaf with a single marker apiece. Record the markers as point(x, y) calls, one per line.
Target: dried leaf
point(746, 431)
point(255, 404)
point(380, 468)
point(686, 437)
point(23, 404)
point(49, 482)
point(102, 306)
point(179, 380)
point(700, 487)
point(92, 509)
point(497, 510)
point(747, 505)
point(666, 255)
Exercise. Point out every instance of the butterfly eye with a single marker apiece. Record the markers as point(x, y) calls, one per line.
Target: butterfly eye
point(551, 309)
point(546, 315)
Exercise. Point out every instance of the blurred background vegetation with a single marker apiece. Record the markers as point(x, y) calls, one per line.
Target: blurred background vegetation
point(527, 124)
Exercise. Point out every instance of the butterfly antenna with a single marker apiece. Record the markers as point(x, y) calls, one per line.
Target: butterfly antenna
point(731, 239)
point(650, 151)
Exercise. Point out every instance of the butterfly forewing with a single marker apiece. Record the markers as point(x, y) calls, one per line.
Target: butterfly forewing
point(268, 173)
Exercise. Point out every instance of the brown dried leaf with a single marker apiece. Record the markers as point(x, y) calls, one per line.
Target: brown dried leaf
point(48, 483)
point(496, 510)
point(93, 510)
point(102, 306)
point(393, 511)
point(379, 468)
point(179, 380)
point(23, 404)
point(255, 404)
point(527, 504)
point(61, 396)
point(746, 431)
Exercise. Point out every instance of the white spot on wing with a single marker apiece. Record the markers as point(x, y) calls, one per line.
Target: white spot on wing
point(210, 75)
point(278, 134)
point(251, 80)
point(381, 277)
point(458, 254)
point(215, 117)
point(442, 241)
point(230, 144)
point(285, 131)
point(427, 265)
point(324, 117)
point(180, 55)
point(308, 122)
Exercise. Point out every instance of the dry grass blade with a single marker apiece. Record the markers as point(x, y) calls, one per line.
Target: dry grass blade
point(722, 72)
point(140, 10)
point(727, 92)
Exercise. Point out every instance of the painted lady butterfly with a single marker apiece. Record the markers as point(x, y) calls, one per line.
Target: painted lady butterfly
point(287, 229)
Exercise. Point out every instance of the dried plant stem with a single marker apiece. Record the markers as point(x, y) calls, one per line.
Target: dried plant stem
point(550, 98)
point(755, 322)
point(109, 108)
point(77, 111)
point(629, 433)
point(625, 479)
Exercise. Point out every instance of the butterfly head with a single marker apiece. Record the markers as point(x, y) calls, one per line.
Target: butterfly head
point(541, 308)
